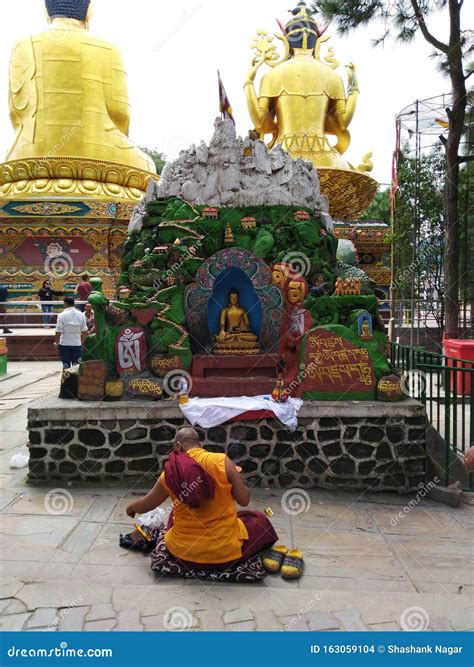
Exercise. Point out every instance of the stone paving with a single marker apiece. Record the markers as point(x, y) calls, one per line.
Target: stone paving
point(372, 562)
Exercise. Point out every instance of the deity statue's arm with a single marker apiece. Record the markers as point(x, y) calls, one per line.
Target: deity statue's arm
point(244, 322)
point(259, 107)
point(118, 104)
point(23, 97)
point(222, 319)
point(341, 112)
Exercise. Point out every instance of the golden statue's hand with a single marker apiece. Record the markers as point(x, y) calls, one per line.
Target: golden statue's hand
point(351, 78)
point(257, 62)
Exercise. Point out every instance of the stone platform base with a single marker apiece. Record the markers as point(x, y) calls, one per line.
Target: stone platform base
point(33, 345)
point(344, 445)
point(234, 375)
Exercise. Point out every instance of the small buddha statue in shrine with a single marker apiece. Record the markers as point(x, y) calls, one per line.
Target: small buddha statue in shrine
point(235, 335)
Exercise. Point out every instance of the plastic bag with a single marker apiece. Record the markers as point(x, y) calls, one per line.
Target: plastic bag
point(153, 519)
point(19, 460)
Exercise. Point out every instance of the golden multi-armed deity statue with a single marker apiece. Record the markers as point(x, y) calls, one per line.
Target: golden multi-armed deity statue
point(235, 335)
point(301, 101)
point(70, 111)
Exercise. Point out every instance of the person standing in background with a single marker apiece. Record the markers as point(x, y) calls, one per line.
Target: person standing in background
point(47, 293)
point(71, 331)
point(90, 318)
point(3, 308)
point(83, 291)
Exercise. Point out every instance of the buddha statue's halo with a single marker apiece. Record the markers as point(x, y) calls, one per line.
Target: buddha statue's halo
point(71, 9)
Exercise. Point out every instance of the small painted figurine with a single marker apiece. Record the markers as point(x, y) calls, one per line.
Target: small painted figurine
point(339, 287)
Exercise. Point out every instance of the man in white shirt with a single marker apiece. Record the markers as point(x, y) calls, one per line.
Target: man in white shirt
point(71, 329)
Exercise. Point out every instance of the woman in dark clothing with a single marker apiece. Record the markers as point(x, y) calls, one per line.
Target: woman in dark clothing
point(47, 293)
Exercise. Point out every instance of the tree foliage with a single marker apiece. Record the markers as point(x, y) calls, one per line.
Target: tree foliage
point(419, 229)
point(403, 19)
point(158, 158)
point(379, 208)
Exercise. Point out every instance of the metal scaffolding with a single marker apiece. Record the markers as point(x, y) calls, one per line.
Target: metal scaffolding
point(417, 304)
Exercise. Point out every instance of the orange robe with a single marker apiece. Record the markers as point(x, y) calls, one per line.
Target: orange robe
point(211, 533)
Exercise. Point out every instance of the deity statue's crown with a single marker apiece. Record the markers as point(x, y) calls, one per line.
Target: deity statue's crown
point(302, 30)
point(70, 9)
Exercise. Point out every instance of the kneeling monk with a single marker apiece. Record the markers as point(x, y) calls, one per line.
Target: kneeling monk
point(206, 537)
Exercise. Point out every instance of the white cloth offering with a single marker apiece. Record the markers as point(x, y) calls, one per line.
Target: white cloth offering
point(208, 412)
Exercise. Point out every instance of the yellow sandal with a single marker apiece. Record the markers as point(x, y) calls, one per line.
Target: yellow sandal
point(293, 564)
point(273, 558)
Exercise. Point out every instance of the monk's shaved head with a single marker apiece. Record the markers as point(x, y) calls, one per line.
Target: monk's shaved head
point(187, 438)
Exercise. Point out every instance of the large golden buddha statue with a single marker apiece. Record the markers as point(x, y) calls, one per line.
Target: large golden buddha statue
point(301, 101)
point(70, 111)
point(235, 335)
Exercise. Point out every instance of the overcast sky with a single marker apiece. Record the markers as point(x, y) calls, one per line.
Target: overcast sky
point(173, 49)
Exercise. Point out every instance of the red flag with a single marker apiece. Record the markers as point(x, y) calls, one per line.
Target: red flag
point(224, 104)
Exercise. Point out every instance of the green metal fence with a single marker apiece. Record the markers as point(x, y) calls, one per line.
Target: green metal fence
point(446, 387)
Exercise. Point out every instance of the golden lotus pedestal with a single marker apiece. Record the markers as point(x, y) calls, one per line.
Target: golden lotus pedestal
point(62, 217)
point(349, 191)
point(241, 350)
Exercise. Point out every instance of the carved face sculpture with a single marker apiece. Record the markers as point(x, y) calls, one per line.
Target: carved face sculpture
point(280, 274)
point(297, 290)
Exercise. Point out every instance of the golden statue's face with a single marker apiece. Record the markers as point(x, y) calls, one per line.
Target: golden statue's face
point(296, 292)
point(233, 299)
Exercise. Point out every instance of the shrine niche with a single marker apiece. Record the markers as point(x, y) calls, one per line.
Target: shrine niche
point(242, 271)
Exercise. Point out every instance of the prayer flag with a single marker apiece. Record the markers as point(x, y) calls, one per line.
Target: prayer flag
point(224, 104)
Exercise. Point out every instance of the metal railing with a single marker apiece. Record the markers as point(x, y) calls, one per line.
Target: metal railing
point(17, 310)
point(445, 385)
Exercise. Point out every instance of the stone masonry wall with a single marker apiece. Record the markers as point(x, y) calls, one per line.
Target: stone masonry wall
point(383, 450)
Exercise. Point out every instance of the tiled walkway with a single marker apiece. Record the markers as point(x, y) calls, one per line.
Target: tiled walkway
point(372, 562)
